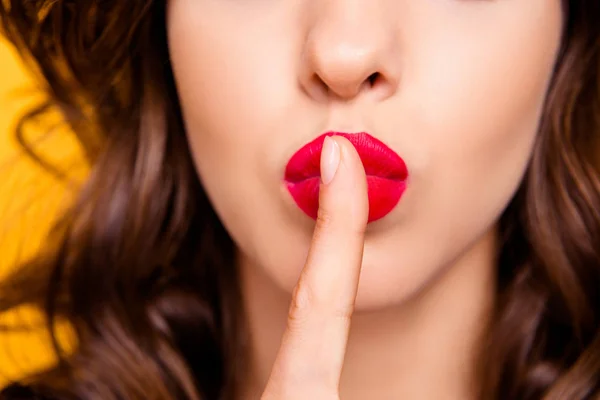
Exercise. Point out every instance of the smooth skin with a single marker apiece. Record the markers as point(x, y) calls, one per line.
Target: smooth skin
point(455, 87)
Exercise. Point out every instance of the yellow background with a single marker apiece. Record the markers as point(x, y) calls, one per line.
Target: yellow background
point(30, 199)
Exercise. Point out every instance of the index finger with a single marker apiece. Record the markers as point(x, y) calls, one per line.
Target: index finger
point(312, 352)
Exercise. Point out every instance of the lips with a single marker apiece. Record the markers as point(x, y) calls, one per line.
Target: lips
point(386, 174)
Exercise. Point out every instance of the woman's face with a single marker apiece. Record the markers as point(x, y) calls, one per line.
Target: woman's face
point(458, 94)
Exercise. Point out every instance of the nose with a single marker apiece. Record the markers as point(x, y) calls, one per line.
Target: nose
point(350, 49)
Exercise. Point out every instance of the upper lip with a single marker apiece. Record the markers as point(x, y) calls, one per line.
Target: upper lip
point(377, 158)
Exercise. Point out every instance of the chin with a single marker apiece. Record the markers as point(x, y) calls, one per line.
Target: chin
point(385, 284)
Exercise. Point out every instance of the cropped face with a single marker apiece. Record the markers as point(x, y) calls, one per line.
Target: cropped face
point(453, 87)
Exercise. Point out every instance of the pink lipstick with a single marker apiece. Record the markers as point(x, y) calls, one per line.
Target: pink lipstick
point(386, 174)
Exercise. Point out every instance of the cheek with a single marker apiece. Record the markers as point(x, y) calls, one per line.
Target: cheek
point(475, 112)
point(229, 63)
point(483, 115)
point(478, 83)
point(233, 103)
point(218, 79)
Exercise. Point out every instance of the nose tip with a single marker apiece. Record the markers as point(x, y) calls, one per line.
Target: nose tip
point(343, 63)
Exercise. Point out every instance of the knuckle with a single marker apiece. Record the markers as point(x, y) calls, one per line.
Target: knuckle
point(305, 302)
point(349, 224)
point(344, 313)
point(325, 219)
point(360, 229)
point(299, 307)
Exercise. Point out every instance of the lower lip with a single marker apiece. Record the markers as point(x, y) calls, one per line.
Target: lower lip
point(384, 194)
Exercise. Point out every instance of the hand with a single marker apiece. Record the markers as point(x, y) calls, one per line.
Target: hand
point(311, 356)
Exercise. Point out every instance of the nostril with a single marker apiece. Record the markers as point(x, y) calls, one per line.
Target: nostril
point(373, 78)
point(320, 88)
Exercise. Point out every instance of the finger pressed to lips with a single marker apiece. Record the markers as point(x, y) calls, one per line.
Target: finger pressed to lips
point(310, 359)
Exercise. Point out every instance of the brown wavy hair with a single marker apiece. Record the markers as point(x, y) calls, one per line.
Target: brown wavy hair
point(144, 272)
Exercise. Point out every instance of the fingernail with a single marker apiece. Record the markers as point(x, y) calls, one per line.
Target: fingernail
point(330, 160)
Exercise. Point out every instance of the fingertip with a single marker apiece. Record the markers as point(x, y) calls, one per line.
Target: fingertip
point(349, 155)
point(352, 188)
